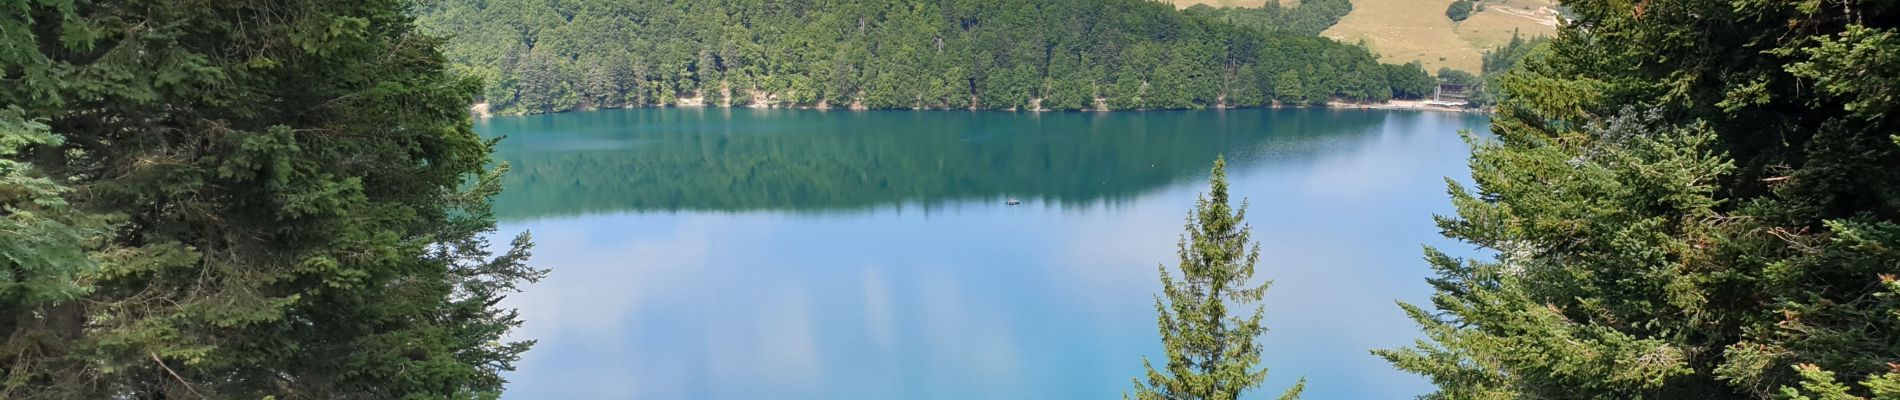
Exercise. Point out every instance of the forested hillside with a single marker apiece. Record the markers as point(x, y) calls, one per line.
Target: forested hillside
point(1309, 18)
point(549, 56)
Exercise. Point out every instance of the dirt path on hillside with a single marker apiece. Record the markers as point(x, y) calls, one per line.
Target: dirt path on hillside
point(1542, 15)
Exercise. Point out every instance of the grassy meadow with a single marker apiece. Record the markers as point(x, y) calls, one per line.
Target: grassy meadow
point(1417, 30)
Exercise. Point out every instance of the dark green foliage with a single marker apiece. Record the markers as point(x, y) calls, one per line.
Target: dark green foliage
point(1460, 10)
point(1310, 17)
point(1410, 81)
point(1496, 63)
point(44, 241)
point(1475, 90)
point(243, 199)
point(542, 85)
point(1448, 75)
point(546, 56)
point(1211, 350)
point(1682, 209)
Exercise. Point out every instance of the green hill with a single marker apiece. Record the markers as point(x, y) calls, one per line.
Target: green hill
point(549, 56)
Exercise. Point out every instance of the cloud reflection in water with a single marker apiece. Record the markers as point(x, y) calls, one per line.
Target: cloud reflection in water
point(968, 298)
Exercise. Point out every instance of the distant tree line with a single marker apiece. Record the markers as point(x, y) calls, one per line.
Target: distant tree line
point(1309, 18)
point(547, 56)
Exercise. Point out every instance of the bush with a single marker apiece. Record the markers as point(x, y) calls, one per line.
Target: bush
point(1460, 10)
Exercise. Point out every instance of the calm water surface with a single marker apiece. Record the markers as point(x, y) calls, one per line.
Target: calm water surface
point(778, 254)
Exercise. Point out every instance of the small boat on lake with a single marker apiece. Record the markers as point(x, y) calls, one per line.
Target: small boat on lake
point(1012, 201)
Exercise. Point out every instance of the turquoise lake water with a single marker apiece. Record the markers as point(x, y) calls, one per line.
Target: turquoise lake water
point(798, 254)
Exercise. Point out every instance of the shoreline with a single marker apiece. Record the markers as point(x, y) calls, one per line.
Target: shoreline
point(481, 110)
point(1413, 105)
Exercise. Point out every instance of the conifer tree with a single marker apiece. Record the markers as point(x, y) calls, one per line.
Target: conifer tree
point(244, 199)
point(44, 241)
point(1211, 350)
point(1686, 199)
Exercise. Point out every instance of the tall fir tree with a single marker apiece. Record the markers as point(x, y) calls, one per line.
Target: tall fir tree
point(243, 199)
point(1686, 199)
point(1211, 350)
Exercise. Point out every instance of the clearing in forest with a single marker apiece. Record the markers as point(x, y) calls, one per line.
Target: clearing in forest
point(1418, 30)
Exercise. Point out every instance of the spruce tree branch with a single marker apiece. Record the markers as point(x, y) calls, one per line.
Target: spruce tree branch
point(174, 374)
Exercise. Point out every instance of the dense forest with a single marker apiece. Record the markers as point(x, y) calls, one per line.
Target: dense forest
point(547, 56)
point(244, 199)
point(1310, 17)
point(1685, 199)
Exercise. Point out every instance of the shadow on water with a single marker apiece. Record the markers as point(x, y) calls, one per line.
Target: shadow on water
point(803, 161)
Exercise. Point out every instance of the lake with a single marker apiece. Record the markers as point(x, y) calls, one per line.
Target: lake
point(799, 254)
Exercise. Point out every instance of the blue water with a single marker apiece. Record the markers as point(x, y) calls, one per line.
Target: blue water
point(754, 254)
